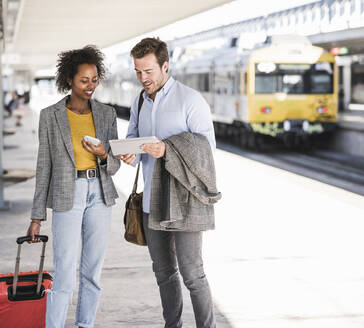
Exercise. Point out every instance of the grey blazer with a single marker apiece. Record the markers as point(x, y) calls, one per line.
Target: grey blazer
point(56, 168)
point(191, 189)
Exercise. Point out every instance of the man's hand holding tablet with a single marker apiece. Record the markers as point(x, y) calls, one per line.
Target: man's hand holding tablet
point(126, 149)
point(157, 150)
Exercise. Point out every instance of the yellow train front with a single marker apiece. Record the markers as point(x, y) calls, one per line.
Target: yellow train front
point(290, 91)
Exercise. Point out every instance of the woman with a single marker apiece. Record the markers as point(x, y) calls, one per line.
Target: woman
point(74, 179)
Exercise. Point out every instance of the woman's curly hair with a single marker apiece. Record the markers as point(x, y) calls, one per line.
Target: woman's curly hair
point(68, 62)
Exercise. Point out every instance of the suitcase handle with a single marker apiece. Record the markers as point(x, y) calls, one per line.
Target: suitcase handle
point(21, 240)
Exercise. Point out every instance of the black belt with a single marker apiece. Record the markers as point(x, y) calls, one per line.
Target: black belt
point(88, 174)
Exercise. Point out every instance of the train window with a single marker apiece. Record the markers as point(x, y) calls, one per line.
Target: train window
point(192, 81)
point(207, 82)
point(321, 83)
point(203, 82)
point(323, 67)
point(237, 83)
point(292, 84)
point(199, 82)
point(233, 84)
point(265, 84)
point(296, 79)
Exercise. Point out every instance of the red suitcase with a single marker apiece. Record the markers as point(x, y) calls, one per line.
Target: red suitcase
point(23, 295)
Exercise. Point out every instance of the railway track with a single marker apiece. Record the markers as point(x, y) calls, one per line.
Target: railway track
point(338, 169)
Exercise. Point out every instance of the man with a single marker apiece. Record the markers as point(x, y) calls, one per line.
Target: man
point(170, 108)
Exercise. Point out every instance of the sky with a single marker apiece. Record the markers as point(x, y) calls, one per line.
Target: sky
point(232, 12)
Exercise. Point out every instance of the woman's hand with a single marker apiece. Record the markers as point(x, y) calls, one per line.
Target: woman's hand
point(98, 150)
point(127, 159)
point(34, 229)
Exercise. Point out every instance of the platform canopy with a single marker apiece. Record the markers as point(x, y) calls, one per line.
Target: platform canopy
point(36, 30)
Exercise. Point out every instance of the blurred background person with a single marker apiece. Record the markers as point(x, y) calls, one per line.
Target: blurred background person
point(8, 97)
point(17, 109)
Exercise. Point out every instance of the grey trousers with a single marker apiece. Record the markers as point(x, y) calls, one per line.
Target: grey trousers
point(169, 252)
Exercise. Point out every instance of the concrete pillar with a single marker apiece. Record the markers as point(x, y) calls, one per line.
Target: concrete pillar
point(347, 85)
point(3, 204)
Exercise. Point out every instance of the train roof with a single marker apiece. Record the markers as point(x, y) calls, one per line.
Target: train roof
point(205, 60)
point(277, 48)
point(291, 53)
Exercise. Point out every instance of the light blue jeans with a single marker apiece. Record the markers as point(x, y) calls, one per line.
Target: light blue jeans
point(89, 220)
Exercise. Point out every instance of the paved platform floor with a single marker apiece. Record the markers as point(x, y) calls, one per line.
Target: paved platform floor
point(287, 251)
point(351, 116)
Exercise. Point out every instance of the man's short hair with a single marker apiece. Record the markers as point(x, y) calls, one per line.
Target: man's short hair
point(151, 46)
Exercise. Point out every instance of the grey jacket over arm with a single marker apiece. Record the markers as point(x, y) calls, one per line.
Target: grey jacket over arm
point(56, 167)
point(191, 189)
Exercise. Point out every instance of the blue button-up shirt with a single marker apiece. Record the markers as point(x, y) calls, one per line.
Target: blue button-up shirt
point(175, 109)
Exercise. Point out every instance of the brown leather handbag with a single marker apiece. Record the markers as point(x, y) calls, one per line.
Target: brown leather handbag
point(133, 217)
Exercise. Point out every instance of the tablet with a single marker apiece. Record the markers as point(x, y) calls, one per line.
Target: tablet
point(131, 145)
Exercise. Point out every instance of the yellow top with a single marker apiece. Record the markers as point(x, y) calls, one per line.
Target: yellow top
point(80, 126)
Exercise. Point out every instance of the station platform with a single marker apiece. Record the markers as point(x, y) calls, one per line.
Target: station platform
point(349, 135)
point(351, 116)
point(286, 251)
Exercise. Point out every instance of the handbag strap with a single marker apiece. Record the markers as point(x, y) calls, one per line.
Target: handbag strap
point(135, 186)
point(140, 104)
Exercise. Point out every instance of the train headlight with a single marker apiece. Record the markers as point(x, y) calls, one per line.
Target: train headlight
point(266, 67)
point(286, 125)
point(265, 110)
point(305, 125)
point(322, 110)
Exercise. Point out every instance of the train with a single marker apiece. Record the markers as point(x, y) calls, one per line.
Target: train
point(284, 88)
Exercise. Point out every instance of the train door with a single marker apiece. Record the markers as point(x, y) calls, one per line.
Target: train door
point(224, 93)
point(243, 103)
point(341, 102)
point(204, 86)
